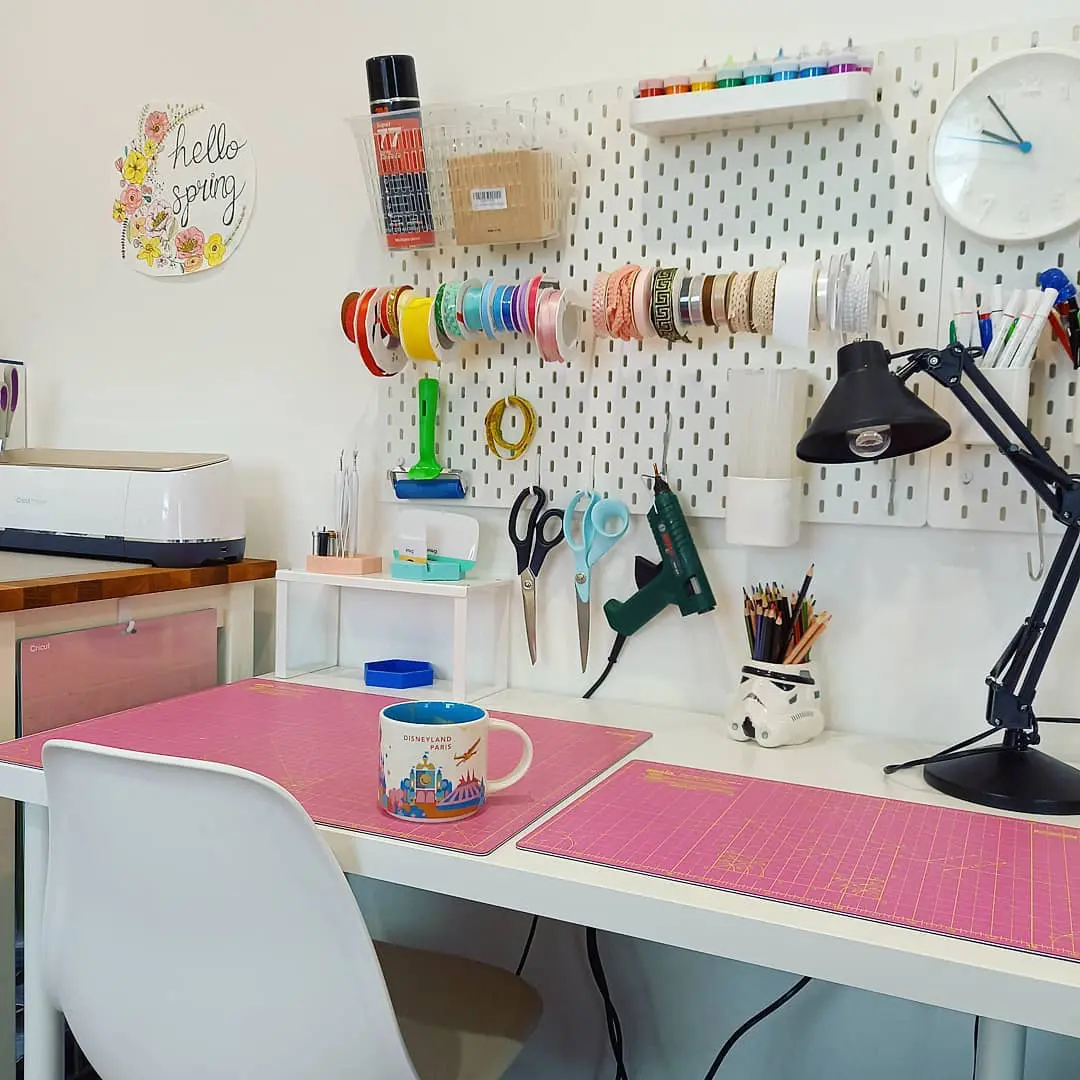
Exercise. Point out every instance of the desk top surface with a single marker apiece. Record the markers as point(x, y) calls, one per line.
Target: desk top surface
point(41, 581)
point(964, 975)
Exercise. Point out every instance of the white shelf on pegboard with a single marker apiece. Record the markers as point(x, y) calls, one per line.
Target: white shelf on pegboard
point(736, 107)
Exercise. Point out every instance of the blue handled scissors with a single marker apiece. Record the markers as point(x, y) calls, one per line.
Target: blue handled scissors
point(532, 549)
point(603, 524)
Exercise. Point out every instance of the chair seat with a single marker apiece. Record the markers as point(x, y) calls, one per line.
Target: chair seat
point(460, 1019)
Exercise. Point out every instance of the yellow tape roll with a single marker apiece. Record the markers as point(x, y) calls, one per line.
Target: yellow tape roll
point(413, 320)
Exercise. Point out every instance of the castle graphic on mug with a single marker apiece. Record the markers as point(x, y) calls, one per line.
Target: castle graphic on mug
point(427, 793)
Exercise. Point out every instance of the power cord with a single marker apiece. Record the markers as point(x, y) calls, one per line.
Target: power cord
point(975, 1050)
point(614, 1026)
point(951, 754)
point(613, 656)
point(528, 945)
point(782, 1000)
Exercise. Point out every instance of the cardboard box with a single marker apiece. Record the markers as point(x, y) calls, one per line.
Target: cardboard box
point(506, 197)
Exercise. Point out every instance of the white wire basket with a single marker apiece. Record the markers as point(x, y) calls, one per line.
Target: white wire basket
point(495, 174)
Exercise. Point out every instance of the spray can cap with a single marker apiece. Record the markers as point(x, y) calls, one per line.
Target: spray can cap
point(392, 78)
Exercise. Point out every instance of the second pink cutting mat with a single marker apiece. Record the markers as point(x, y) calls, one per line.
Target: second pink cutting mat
point(1001, 880)
point(323, 746)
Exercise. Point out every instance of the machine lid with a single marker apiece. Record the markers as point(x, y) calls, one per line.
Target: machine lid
point(125, 460)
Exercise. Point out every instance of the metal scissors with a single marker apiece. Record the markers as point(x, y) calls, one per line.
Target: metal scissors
point(603, 524)
point(532, 549)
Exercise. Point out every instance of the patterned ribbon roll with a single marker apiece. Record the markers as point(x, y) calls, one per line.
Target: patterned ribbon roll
point(620, 303)
point(750, 300)
point(449, 307)
point(599, 305)
point(415, 317)
point(360, 332)
point(762, 300)
point(662, 308)
point(738, 309)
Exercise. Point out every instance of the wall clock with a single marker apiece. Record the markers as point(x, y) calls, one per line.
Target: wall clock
point(1004, 162)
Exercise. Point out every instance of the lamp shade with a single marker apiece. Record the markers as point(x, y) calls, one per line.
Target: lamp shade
point(870, 413)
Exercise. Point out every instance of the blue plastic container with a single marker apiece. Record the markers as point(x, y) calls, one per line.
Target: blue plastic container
point(399, 674)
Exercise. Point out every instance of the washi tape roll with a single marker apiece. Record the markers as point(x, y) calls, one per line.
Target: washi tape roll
point(643, 304)
point(348, 315)
point(598, 305)
point(468, 312)
point(415, 317)
point(487, 300)
point(792, 305)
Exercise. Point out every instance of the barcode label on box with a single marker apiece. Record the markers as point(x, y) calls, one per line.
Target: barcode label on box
point(489, 198)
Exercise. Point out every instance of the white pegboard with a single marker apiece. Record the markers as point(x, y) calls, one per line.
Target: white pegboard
point(975, 487)
point(709, 203)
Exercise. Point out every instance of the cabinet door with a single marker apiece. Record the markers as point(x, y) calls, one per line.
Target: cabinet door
point(64, 678)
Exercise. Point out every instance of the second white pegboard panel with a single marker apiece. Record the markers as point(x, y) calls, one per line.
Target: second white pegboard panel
point(975, 487)
point(723, 201)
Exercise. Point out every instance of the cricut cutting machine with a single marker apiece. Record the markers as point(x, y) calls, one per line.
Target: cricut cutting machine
point(175, 510)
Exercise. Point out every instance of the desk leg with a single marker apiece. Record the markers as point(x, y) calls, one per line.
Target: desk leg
point(43, 1056)
point(240, 631)
point(1001, 1050)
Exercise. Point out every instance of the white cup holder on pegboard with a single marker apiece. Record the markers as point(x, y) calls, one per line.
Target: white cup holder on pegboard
point(764, 484)
point(1013, 384)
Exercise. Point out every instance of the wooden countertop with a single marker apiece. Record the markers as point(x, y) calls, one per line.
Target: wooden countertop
point(114, 584)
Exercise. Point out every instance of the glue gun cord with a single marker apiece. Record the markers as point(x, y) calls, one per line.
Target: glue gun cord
point(620, 641)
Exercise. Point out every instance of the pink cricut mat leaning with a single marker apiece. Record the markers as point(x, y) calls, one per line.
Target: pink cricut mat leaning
point(323, 746)
point(999, 880)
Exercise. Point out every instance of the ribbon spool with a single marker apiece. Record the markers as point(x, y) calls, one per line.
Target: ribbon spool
point(468, 310)
point(416, 316)
point(381, 355)
point(562, 326)
point(348, 315)
point(793, 305)
point(493, 436)
point(537, 287)
point(642, 304)
point(619, 303)
point(487, 303)
point(721, 289)
point(389, 307)
point(598, 306)
point(738, 306)
point(446, 307)
point(762, 300)
point(663, 304)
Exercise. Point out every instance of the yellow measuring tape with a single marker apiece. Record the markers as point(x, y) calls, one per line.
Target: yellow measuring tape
point(496, 443)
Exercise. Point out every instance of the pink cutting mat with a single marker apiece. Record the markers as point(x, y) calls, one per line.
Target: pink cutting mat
point(323, 746)
point(999, 880)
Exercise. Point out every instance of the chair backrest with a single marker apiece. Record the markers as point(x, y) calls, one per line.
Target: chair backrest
point(196, 925)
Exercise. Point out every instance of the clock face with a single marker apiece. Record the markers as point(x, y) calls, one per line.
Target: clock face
point(1004, 160)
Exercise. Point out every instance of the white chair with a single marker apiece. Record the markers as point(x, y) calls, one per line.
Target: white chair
point(196, 925)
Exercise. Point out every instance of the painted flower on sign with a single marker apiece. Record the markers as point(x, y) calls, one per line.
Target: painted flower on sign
point(137, 227)
point(155, 126)
point(132, 198)
point(190, 242)
point(150, 251)
point(215, 249)
point(118, 211)
point(135, 167)
point(158, 218)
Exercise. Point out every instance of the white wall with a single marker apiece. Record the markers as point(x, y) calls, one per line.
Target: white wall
point(250, 360)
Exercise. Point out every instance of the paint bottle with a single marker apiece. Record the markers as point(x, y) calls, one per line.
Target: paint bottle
point(399, 152)
point(757, 71)
point(731, 74)
point(784, 68)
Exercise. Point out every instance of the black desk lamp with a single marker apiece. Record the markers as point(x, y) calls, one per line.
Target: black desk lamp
point(871, 414)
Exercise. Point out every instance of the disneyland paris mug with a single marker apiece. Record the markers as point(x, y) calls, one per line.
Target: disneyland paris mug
point(433, 759)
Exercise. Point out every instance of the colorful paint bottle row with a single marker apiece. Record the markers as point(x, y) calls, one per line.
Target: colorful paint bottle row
point(755, 71)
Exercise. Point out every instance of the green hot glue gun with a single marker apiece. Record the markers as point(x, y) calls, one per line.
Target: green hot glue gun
point(679, 578)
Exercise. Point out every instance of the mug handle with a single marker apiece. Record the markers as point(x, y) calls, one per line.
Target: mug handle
point(522, 766)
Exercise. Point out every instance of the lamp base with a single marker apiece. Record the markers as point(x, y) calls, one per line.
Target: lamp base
point(1007, 778)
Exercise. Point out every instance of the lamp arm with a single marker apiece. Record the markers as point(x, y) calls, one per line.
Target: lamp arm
point(1014, 679)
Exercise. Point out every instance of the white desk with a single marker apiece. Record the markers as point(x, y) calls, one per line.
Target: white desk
point(1010, 990)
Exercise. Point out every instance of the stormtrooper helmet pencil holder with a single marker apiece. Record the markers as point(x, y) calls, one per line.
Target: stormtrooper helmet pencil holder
point(776, 704)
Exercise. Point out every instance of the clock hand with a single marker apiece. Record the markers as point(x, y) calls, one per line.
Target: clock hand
point(1024, 146)
point(993, 141)
point(1008, 123)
